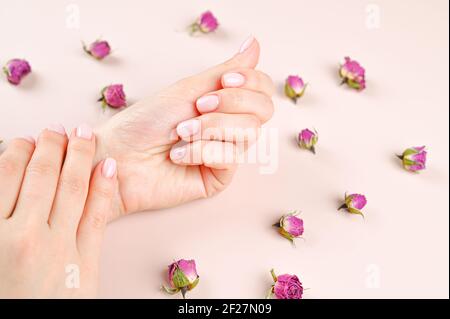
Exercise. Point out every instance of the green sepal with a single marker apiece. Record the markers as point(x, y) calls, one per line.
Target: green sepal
point(5, 70)
point(274, 277)
point(194, 284)
point(169, 290)
point(270, 293)
point(179, 279)
point(290, 92)
point(355, 211)
point(353, 84)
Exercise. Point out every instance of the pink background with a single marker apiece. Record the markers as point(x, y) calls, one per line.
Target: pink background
point(402, 243)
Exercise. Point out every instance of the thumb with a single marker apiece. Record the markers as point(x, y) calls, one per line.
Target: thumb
point(209, 80)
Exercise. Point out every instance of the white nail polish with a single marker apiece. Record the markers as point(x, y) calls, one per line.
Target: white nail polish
point(247, 43)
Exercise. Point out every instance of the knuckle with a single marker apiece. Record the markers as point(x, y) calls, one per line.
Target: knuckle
point(103, 192)
point(72, 184)
point(97, 220)
point(84, 148)
point(235, 96)
point(42, 167)
point(8, 166)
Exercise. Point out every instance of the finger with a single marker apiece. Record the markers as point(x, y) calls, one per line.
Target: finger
point(102, 190)
point(236, 128)
point(210, 80)
point(41, 176)
point(237, 101)
point(213, 154)
point(13, 163)
point(249, 79)
point(74, 181)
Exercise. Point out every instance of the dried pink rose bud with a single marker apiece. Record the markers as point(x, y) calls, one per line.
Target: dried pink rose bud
point(113, 96)
point(353, 74)
point(294, 87)
point(16, 70)
point(307, 139)
point(182, 277)
point(290, 226)
point(414, 158)
point(285, 287)
point(206, 23)
point(354, 203)
point(98, 49)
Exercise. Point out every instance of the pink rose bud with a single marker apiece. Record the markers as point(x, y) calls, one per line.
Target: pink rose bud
point(354, 203)
point(414, 158)
point(285, 287)
point(307, 139)
point(16, 70)
point(290, 226)
point(294, 87)
point(182, 277)
point(113, 96)
point(206, 23)
point(99, 49)
point(353, 74)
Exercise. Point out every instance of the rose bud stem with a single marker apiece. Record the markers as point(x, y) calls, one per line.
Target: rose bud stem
point(342, 206)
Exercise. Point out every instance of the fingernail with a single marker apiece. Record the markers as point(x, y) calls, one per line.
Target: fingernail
point(247, 43)
point(84, 131)
point(109, 167)
point(207, 103)
point(29, 139)
point(188, 128)
point(57, 128)
point(178, 153)
point(233, 80)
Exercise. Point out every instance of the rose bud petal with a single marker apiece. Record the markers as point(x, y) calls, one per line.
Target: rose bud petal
point(414, 159)
point(354, 203)
point(206, 23)
point(353, 74)
point(182, 277)
point(290, 226)
point(294, 87)
point(98, 49)
point(307, 139)
point(16, 70)
point(113, 96)
point(285, 287)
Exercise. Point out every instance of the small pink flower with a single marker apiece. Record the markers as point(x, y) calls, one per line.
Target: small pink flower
point(290, 226)
point(414, 159)
point(182, 277)
point(294, 87)
point(354, 203)
point(307, 139)
point(113, 96)
point(206, 23)
point(98, 49)
point(16, 70)
point(285, 287)
point(353, 74)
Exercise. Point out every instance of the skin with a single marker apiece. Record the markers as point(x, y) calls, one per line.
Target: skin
point(141, 137)
point(54, 206)
point(52, 215)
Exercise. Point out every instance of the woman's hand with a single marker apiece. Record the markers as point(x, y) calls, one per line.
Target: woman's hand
point(52, 215)
point(156, 170)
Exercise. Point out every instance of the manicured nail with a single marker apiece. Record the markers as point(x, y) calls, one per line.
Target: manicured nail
point(57, 128)
point(233, 80)
point(188, 128)
point(29, 139)
point(84, 131)
point(109, 167)
point(207, 103)
point(177, 153)
point(247, 43)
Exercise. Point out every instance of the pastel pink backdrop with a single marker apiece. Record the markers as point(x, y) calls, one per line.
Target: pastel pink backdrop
point(399, 250)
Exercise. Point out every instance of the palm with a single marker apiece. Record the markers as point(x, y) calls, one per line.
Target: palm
point(141, 137)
